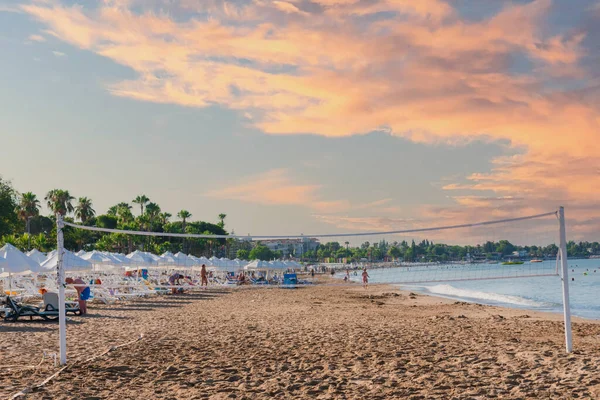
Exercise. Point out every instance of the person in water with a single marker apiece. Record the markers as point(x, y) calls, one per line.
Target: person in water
point(365, 278)
point(203, 276)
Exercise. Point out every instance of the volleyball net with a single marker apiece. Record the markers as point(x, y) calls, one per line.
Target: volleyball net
point(521, 247)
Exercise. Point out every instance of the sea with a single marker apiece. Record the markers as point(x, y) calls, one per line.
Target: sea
point(507, 286)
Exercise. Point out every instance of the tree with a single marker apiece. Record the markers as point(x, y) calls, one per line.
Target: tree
point(395, 252)
point(164, 217)
point(242, 254)
point(106, 221)
point(222, 220)
point(261, 252)
point(59, 201)
point(141, 200)
point(184, 215)
point(152, 211)
point(84, 210)
point(28, 207)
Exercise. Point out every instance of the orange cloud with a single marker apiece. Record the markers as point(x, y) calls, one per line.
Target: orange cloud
point(339, 68)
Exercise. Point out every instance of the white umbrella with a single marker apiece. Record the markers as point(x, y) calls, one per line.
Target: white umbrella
point(119, 257)
point(185, 260)
point(138, 258)
point(205, 261)
point(37, 256)
point(167, 258)
point(95, 257)
point(258, 264)
point(16, 262)
point(71, 263)
point(80, 253)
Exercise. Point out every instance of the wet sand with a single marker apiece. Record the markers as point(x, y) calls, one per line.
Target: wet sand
point(327, 342)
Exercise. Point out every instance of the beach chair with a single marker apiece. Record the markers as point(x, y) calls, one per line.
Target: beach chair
point(51, 304)
point(17, 311)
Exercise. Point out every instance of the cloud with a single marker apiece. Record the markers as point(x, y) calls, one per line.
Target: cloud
point(37, 38)
point(343, 67)
point(269, 188)
point(58, 53)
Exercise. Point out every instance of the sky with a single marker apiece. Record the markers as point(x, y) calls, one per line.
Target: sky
point(308, 116)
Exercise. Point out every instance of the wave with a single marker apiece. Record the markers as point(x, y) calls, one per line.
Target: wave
point(485, 297)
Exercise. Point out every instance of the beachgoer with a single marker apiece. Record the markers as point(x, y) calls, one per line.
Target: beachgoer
point(203, 276)
point(83, 293)
point(365, 277)
point(332, 272)
point(312, 273)
point(174, 280)
point(348, 274)
point(241, 278)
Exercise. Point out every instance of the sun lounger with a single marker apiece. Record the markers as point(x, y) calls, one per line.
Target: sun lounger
point(51, 304)
point(17, 311)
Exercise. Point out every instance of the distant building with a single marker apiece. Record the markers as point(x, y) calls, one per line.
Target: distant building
point(292, 247)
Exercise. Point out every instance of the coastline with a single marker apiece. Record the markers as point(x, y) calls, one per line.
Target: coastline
point(319, 341)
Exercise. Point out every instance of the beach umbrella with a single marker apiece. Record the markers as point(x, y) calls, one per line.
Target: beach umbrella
point(37, 256)
point(184, 260)
point(167, 258)
point(258, 264)
point(139, 258)
point(80, 253)
point(205, 261)
point(71, 263)
point(16, 262)
point(119, 257)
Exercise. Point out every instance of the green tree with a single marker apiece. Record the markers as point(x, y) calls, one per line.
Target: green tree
point(152, 211)
point(395, 252)
point(84, 210)
point(222, 220)
point(141, 200)
point(164, 218)
point(59, 201)
point(261, 252)
point(242, 254)
point(106, 221)
point(29, 207)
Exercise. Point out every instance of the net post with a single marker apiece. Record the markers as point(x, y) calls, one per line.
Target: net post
point(60, 277)
point(565, 279)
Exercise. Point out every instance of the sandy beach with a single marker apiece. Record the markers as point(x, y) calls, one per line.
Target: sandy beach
point(325, 342)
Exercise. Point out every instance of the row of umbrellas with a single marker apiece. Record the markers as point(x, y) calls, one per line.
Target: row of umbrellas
point(13, 261)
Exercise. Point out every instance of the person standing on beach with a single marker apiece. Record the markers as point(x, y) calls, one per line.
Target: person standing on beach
point(203, 276)
point(83, 293)
point(365, 276)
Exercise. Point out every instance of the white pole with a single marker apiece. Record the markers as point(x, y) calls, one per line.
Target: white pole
point(60, 276)
point(565, 279)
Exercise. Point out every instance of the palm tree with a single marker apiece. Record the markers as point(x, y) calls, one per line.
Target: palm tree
point(346, 243)
point(124, 212)
point(28, 207)
point(184, 215)
point(222, 220)
point(59, 201)
point(164, 217)
point(84, 210)
point(141, 200)
point(152, 211)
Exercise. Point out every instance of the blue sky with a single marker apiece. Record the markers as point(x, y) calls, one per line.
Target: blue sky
point(339, 142)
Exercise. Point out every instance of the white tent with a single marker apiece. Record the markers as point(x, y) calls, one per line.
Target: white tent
point(37, 256)
point(71, 263)
point(16, 262)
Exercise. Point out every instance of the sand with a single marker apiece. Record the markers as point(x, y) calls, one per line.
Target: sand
point(324, 342)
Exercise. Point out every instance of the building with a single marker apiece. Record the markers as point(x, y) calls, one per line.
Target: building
point(292, 247)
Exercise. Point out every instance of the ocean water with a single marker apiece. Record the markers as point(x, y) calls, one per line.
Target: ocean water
point(486, 284)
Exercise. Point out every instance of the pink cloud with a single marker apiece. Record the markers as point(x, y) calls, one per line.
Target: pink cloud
point(432, 78)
